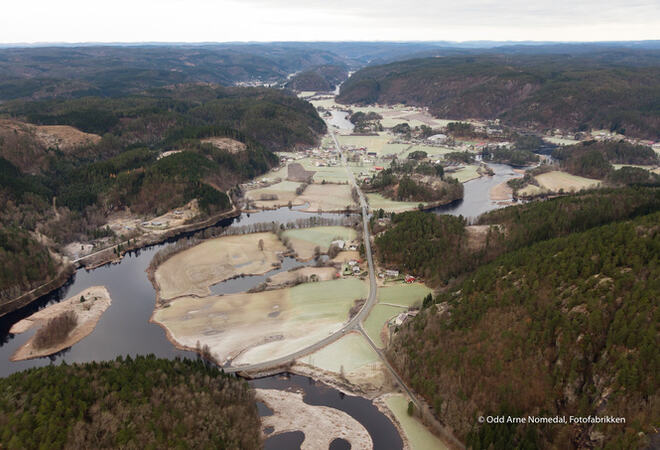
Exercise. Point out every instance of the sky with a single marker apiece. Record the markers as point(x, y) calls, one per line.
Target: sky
point(37, 21)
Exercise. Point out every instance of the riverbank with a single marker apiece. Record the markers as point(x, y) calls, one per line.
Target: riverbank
point(109, 255)
point(65, 272)
point(116, 252)
point(88, 312)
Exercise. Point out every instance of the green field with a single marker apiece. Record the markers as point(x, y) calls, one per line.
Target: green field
point(419, 437)
point(372, 143)
point(465, 173)
point(322, 236)
point(433, 152)
point(349, 353)
point(377, 201)
point(378, 316)
point(284, 190)
point(334, 174)
point(326, 300)
point(403, 294)
point(260, 326)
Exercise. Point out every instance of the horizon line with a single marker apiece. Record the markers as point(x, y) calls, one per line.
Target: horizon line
point(349, 41)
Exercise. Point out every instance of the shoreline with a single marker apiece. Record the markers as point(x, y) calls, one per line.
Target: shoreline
point(23, 300)
point(501, 192)
point(107, 256)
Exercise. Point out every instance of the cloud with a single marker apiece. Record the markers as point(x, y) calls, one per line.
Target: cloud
point(267, 20)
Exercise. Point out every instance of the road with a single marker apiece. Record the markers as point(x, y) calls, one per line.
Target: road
point(355, 324)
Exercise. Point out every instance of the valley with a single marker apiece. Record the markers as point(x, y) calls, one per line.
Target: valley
point(374, 267)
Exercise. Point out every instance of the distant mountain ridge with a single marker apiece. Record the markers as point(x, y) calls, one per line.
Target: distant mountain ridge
point(604, 90)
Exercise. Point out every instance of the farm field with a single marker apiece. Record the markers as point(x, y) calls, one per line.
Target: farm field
point(432, 151)
point(377, 318)
point(349, 353)
point(560, 141)
point(285, 191)
point(530, 190)
point(323, 274)
point(192, 271)
point(304, 240)
point(465, 173)
point(326, 197)
point(332, 174)
point(419, 437)
point(250, 328)
point(346, 256)
point(372, 143)
point(403, 294)
point(377, 201)
point(392, 115)
point(556, 180)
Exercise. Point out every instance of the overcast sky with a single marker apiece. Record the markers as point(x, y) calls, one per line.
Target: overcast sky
point(336, 20)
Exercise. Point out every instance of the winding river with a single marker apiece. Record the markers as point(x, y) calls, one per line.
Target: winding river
point(124, 329)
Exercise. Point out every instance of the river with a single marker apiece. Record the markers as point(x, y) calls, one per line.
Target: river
point(124, 329)
point(476, 194)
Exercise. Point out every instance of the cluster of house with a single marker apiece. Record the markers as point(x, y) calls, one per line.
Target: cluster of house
point(391, 273)
point(352, 267)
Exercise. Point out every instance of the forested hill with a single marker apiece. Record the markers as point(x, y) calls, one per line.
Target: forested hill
point(67, 165)
point(576, 92)
point(565, 327)
point(132, 403)
point(443, 248)
point(594, 159)
point(323, 78)
point(47, 72)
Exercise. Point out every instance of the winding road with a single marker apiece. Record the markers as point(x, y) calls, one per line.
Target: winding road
point(355, 324)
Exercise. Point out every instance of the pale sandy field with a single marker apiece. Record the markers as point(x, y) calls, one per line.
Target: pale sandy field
point(192, 271)
point(346, 256)
point(377, 201)
point(284, 190)
point(323, 274)
point(304, 240)
point(89, 312)
point(465, 173)
point(531, 190)
point(320, 424)
point(326, 197)
point(500, 192)
point(556, 180)
point(332, 174)
point(372, 143)
point(250, 328)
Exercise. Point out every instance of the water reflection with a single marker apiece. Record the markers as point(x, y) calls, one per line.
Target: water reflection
point(476, 194)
